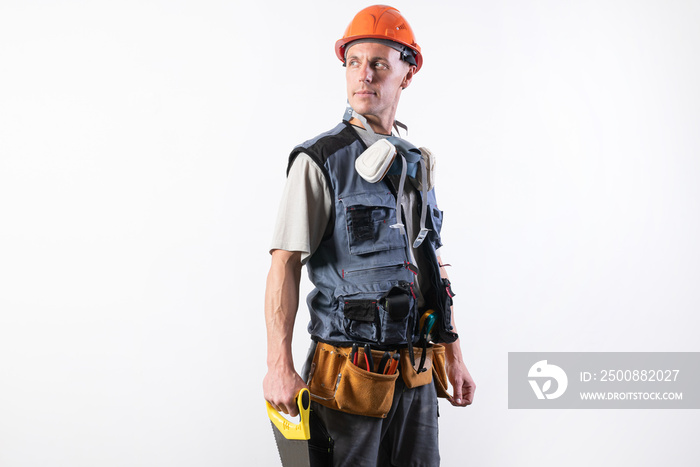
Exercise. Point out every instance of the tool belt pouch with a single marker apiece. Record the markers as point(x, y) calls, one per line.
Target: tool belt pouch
point(411, 376)
point(338, 384)
point(439, 374)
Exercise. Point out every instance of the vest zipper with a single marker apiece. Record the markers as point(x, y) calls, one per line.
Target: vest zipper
point(372, 269)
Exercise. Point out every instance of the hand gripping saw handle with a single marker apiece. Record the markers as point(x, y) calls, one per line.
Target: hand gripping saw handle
point(298, 431)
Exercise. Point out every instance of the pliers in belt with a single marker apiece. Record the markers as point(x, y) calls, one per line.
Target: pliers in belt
point(353, 354)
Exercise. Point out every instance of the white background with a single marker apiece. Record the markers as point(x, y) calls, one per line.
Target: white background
point(142, 154)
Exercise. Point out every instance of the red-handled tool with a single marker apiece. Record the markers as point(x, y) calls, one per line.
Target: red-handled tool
point(353, 354)
point(368, 358)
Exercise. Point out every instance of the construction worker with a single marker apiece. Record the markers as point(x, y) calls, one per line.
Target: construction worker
point(359, 211)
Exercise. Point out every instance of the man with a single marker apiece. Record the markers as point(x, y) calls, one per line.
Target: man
point(370, 243)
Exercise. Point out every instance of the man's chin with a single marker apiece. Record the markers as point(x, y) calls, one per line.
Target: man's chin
point(359, 108)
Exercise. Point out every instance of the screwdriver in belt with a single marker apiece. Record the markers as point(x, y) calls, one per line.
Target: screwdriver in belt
point(391, 369)
point(382, 363)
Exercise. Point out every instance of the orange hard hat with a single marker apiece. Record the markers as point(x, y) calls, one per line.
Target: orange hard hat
point(383, 23)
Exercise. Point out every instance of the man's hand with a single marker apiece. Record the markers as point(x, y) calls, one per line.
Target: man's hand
point(280, 388)
point(462, 383)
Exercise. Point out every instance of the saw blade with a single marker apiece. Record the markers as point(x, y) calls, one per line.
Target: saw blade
point(292, 438)
point(293, 452)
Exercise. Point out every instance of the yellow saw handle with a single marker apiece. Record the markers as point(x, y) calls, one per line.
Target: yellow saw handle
point(288, 429)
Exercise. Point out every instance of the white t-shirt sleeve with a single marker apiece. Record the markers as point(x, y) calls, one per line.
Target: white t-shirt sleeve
point(305, 209)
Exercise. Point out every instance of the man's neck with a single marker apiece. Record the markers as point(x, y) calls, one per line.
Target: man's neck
point(376, 127)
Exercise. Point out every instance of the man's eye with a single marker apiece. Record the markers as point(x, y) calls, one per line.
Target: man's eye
point(353, 62)
point(380, 66)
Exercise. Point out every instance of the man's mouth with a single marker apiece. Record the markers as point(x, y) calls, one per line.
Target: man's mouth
point(364, 92)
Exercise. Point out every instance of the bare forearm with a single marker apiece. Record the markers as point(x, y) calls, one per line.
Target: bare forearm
point(281, 302)
point(462, 382)
point(282, 382)
point(453, 351)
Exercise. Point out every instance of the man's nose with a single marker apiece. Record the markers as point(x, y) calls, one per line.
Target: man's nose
point(365, 73)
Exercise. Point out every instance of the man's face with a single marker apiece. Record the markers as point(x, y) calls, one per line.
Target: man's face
point(375, 76)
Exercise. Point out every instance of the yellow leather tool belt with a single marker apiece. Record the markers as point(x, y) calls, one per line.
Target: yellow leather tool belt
point(338, 379)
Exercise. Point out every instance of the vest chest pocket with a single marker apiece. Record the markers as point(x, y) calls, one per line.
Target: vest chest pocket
point(369, 217)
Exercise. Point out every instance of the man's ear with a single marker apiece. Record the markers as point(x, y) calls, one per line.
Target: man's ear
point(409, 77)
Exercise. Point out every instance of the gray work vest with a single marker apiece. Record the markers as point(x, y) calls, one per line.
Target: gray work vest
point(364, 282)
